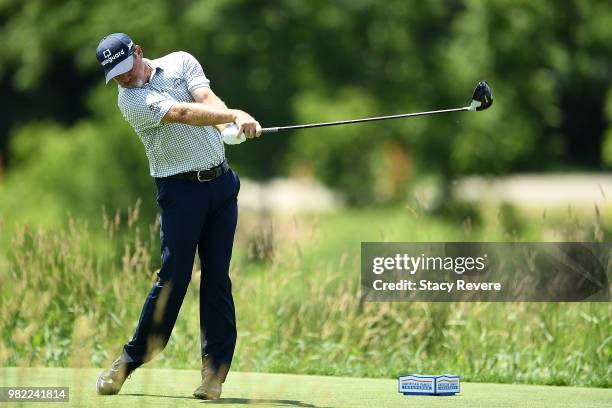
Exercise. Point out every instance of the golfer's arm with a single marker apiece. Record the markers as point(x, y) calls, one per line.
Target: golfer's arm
point(206, 96)
point(198, 114)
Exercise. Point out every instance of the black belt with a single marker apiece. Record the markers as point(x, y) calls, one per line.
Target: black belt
point(203, 175)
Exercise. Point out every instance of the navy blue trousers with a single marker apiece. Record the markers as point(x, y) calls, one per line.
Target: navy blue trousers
point(193, 215)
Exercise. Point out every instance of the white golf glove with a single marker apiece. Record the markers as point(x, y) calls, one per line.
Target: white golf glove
point(231, 136)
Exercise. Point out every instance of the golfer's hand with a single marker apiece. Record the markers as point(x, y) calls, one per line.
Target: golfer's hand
point(247, 124)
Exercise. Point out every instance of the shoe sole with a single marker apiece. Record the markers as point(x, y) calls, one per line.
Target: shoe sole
point(207, 395)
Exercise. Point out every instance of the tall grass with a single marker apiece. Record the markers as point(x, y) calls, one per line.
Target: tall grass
point(72, 297)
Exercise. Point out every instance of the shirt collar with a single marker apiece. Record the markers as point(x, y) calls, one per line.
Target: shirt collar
point(154, 66)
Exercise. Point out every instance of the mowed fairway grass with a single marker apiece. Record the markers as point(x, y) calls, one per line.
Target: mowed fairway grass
point(173, 388)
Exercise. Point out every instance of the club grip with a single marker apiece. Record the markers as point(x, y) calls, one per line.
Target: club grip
point(269, 130)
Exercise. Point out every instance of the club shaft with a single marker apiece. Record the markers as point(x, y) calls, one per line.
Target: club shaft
point(347, 122)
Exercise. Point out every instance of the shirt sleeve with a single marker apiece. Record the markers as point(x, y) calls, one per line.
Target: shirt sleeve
point(193, 73)
point(144, 108)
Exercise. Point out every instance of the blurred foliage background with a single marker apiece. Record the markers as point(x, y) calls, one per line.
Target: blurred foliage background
point(65, 148)
point(63, 140)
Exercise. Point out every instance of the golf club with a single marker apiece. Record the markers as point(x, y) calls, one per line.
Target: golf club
point(482, 98)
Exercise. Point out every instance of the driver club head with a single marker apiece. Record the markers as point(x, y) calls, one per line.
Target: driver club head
point(482, 97)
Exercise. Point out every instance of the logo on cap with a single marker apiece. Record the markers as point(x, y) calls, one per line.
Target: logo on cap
point(110, 59)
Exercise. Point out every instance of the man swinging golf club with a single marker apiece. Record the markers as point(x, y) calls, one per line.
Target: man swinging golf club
point(169, 103)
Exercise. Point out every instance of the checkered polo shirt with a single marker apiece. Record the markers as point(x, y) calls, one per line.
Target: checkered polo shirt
point(171, 147)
